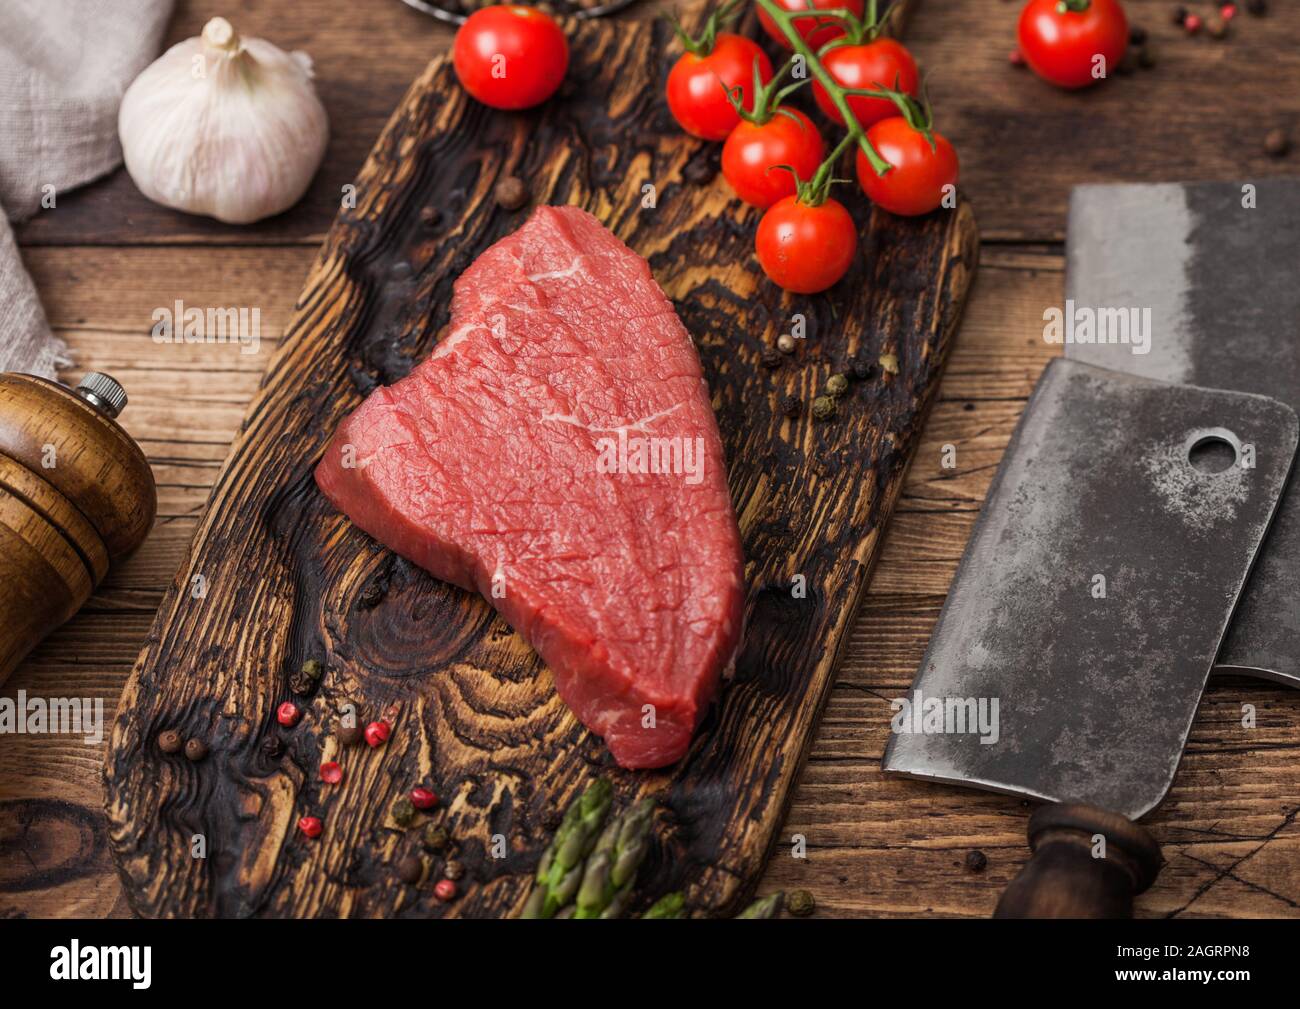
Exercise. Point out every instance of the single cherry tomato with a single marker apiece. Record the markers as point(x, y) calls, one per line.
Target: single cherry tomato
point(698, 85)
point(815, 31)
point(754, 153)
point(915, 183)
point(883, 62)
point(510, 57)
point(1061, 39)
point(806, 249)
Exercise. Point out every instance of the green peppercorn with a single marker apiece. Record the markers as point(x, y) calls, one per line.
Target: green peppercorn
point(403, 812)
point(436, 838)
point(823, 408)
point(313, 668)
point(800, 903)
point(837, 385)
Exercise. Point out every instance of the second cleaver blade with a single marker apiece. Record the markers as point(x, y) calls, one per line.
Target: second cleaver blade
point(1218, 266)
point(1094, 591)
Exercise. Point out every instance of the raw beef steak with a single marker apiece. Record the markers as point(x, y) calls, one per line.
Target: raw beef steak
point(558, 453)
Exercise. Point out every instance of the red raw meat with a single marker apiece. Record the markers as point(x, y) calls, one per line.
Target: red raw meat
point(520, 461)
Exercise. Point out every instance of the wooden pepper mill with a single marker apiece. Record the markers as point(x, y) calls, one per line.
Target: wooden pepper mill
point(76, 495)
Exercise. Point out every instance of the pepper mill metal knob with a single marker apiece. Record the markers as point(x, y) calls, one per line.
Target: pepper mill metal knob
point(102, 392)
point(76, 496)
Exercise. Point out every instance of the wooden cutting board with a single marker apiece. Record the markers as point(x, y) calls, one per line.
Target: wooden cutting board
point(275, 576)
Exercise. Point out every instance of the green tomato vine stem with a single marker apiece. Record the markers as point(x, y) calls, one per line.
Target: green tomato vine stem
point(785, 20)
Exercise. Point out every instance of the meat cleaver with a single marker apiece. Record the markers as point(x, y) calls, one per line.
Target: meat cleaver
point(1071, 652)
point(1212, 266)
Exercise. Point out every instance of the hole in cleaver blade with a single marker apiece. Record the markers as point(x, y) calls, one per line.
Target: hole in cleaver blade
point(1075, 642)
point(1208, 269)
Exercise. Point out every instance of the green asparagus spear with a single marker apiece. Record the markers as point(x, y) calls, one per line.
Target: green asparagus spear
point(764, 907)
point(560, 871)
point(670, 905)
point(610, 874)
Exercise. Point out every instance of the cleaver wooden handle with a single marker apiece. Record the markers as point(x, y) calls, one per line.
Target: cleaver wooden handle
point(1068, 876)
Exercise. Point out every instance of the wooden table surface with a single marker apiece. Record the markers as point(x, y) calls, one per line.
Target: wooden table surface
point(104, 259)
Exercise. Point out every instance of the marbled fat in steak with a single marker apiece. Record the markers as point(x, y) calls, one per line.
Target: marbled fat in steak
point(558, 453)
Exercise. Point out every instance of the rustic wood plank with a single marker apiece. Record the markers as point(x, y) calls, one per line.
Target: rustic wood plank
point(364, 55)
point(864, 859)
point(1023, 143)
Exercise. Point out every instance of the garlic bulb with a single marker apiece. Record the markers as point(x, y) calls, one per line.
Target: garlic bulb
point(224, 126)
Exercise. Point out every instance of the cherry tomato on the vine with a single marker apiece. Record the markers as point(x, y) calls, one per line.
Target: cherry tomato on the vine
point(806, 249)
point(915, 184)
point(815, 31)
point(1061, 40)
point(753, 156)
point(698, 85)
point(883, 61)
point(510, 57)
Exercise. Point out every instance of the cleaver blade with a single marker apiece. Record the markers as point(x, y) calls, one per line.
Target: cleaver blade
point(1219, 278)
point(1093, 684)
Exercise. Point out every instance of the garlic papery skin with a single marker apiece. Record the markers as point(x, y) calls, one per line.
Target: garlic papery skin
point(223, 126)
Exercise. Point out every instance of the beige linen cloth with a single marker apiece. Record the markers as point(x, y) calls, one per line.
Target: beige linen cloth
point(64, 65)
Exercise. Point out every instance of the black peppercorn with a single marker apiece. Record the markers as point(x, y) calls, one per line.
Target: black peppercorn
point(272, 747)
point(1257, 7)
point(511, 193)
point(195, 749)
point(1277, 143)
point(1137, 36)
point(1180, 15)
point(861, 368)
point(791, 406)
point(770, 358)
point(169, 741)
point(976, 860)
point(410, 869)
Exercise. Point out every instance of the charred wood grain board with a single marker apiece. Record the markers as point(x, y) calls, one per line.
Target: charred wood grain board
point(284, 578)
